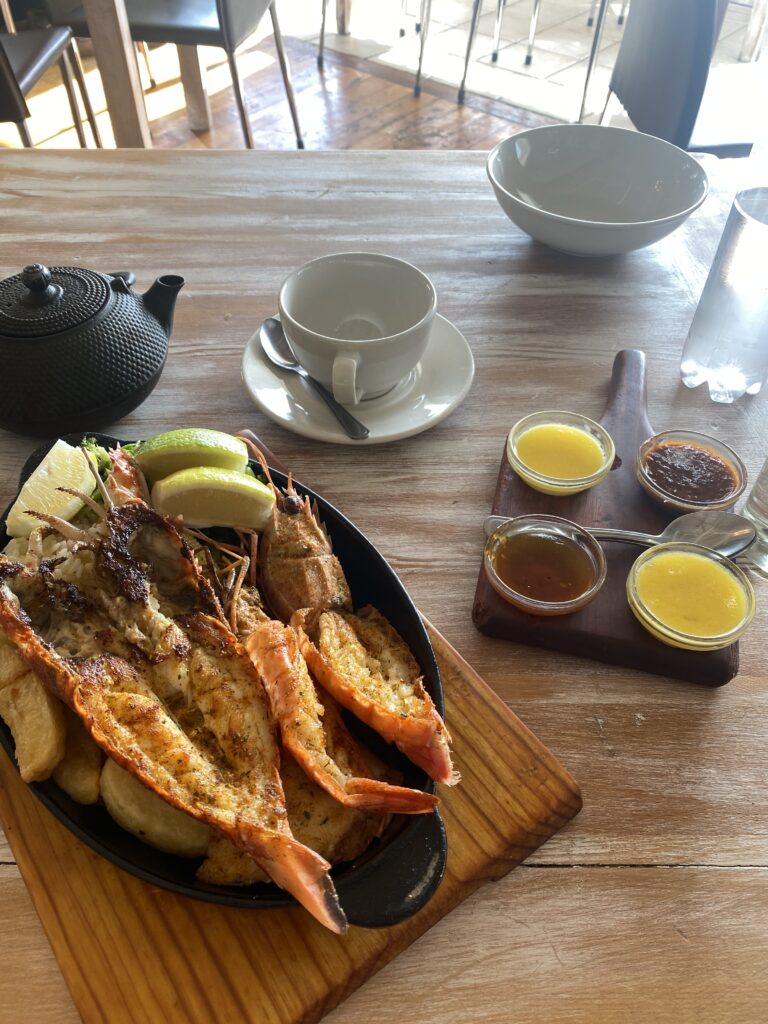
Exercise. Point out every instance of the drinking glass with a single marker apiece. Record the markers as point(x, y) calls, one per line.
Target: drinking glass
point(727, 344)
point(756, 509)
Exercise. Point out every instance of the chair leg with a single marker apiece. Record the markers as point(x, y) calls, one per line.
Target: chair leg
point(403, 16)
point(591, 18)
point(286, 75)
point(77, 66)
point(66, 75)
point(623, 12)
point(237, 87)
point(532, 31)
point(144, 51)
point(321, 47)
point(425, 16)
point(476, 4)
point(500, 4)
point(604, 111)
point(26, 138)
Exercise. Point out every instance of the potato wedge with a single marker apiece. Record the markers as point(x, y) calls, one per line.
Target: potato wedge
point(143, 813)
point(34, 716)
point(79, 771)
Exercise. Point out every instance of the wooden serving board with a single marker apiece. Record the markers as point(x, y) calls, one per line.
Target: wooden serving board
point(134, 954)
point(606, 629)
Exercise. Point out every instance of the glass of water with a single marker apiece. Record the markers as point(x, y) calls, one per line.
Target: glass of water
point(756, 509)
point(727, 344)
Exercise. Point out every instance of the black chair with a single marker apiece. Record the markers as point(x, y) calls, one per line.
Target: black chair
point(24, 59)
point(661, 73)
point(222, 23)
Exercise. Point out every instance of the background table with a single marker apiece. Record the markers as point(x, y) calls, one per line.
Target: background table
point(653, 904)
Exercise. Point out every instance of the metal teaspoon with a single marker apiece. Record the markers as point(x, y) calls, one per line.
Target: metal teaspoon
point(725, 532)
point(277, 350)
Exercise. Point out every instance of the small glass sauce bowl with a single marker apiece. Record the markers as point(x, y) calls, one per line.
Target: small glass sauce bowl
point(553, 484)
point(693, 439)
point(673, 635)
point(570, 543)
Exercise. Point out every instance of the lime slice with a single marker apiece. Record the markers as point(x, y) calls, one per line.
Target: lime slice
point(207, 496)
point(192, 446)
point(63, 466)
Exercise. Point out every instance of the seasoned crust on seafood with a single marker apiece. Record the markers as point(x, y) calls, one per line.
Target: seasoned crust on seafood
point(123, 714)
point(372, 657)
point(298, 567)
point(316, 736)
point(335, 832)
point(366, 665)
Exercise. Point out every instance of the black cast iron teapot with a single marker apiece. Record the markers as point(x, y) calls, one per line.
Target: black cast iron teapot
point(79, 349)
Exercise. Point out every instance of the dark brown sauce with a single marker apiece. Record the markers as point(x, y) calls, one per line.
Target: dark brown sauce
point(690, 473)
point(544, 567)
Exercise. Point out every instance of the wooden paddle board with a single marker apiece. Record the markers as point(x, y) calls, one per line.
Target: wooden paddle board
point(606, 629)
point(134, 954)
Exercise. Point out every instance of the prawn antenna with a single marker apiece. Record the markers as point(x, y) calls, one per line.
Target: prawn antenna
point(258, 455)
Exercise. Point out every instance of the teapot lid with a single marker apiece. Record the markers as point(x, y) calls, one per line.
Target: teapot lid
point(40, 301)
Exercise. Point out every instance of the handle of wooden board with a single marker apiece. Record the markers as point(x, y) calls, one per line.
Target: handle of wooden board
point(628, 395)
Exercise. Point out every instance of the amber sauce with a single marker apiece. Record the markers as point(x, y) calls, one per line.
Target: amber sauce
point(544, 567)
point(690, 473)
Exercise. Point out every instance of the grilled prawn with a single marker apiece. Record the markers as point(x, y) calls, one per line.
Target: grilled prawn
point(239, 793)
point(298, 567)
point(316, 735)
point(364, 663)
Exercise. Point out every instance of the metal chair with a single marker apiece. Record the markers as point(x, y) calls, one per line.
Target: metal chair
point(619, 20)
point(222, 23)
point(533, 26)
point(24, 59)
point(661, 72)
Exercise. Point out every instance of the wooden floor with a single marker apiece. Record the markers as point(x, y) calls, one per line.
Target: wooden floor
point(351, 104)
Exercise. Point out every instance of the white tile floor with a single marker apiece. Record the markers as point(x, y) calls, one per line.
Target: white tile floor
point(552, 84)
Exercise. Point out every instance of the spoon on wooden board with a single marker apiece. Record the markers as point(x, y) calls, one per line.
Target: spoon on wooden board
point(725, 532)
point(277, 350)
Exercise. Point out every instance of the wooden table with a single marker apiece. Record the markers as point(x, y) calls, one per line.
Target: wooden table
point(653, 904)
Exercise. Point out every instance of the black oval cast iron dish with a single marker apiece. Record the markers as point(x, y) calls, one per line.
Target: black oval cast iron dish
point(398, 874)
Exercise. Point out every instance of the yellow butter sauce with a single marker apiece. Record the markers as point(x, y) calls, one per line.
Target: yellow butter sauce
point(560, 451)
point(691, 593)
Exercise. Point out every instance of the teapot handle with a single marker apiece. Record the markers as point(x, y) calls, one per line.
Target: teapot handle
point(127, 275)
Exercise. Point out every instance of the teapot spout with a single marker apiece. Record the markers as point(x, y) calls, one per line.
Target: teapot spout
point(160, 299)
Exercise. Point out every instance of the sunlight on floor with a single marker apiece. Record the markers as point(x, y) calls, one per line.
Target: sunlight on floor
point(552, 84)
point(49, 109)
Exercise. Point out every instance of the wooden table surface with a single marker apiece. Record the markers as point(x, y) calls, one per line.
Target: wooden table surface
point(653, 903)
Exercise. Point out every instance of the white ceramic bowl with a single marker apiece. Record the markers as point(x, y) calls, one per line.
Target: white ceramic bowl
point(593, 190)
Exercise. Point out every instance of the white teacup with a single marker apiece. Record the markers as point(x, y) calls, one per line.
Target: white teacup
point(358, 322)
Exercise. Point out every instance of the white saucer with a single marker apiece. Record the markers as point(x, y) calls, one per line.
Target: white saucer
point(431, 392)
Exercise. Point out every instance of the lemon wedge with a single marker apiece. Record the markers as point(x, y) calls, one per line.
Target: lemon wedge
point(164, 454)
point(209, 496)
point(63, 466)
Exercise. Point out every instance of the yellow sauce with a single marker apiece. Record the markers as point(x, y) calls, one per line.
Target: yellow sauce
point(691, 594)
point(559, 451)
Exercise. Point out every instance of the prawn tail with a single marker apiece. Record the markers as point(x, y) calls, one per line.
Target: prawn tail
point(434, 757)
point(304, 874)
point(373, 795)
